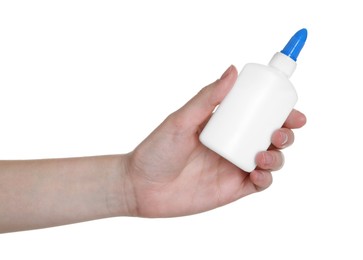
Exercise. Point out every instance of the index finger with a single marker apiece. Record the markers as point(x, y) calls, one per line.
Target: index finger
point(296, 119)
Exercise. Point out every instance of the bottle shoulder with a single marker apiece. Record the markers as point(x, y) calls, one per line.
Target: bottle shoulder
point(260, 70)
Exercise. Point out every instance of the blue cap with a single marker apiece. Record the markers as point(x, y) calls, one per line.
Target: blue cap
point(296, 43)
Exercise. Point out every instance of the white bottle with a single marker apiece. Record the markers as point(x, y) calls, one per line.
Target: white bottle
point(257, 105)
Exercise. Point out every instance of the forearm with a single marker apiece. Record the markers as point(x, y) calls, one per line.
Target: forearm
point(44, 193)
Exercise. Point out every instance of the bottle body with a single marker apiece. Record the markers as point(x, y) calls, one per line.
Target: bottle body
point(256, 106)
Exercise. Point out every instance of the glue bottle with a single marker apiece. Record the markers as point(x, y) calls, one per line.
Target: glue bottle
point(256, 106)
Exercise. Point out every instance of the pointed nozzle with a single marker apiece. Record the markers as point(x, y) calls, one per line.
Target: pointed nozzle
point(296, 43)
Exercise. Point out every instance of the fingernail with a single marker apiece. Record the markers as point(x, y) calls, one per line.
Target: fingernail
point(284, 138)
point(267, 158)
point(226, 73)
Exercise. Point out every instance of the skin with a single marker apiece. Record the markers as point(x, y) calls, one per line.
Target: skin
point(169, 174)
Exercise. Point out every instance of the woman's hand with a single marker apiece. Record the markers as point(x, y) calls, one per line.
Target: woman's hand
point(173, 174)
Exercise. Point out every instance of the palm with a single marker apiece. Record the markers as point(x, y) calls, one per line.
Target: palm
point(179, 176)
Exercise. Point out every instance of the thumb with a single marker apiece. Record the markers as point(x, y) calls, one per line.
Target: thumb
point(197, 110)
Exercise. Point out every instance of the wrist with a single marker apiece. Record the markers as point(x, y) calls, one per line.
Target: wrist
point(121, 198)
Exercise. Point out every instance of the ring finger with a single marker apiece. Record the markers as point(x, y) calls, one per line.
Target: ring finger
point(272, 160)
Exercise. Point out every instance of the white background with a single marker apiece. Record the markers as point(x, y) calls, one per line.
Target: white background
point(84, 78)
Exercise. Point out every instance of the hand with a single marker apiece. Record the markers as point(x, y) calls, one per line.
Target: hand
point(173, 174)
